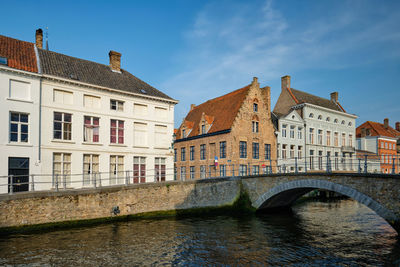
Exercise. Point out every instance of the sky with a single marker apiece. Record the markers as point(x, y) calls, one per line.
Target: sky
point(198, 50)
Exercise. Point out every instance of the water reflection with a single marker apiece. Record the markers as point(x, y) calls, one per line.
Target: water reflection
point(316, 233)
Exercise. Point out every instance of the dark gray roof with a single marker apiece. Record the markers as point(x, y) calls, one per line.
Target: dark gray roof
point(304, 97)
point(85, 71)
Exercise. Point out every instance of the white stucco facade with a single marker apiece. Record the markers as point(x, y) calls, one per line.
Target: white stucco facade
point(19, 139)
point(142, 128)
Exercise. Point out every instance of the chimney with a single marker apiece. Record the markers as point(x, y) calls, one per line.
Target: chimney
point(334, 96)
point(115, 61)
point(192, 106)
point(398, 126)
point(363, 132)
point(39, 38)
point(255, 80)
point(285, 82)
point(386, 123)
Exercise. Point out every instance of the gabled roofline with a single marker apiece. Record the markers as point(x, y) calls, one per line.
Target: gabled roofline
point(56, 78)
point(202, 135)
point(325, 109)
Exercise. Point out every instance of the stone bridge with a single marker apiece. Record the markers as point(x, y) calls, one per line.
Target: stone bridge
point(379, 192)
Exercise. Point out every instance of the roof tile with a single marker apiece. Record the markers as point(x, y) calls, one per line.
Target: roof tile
point(20, 54)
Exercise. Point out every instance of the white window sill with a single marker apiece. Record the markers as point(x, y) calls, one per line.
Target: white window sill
point(120, 145)
point(62, 141)
point(92, 144)
point(19, 144)
point(20, 100)
point(163, 148)
point(141, 146)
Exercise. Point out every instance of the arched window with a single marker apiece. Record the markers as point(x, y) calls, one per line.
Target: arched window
point(328, 119)
point(335, 121)
point(343, 122)
point(350, 123)
point(311, 115)
point(320, 117)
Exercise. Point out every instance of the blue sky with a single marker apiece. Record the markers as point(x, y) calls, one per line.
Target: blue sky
point(198, 50)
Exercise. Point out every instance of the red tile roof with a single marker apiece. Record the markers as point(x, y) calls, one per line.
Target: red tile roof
point(221, 111)
point(20, 54)
point(377, 129)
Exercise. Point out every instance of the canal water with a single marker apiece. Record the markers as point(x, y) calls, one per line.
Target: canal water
point(339, 233)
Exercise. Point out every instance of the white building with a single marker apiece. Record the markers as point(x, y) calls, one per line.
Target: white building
point(19, 101)
point(96, 124)
point(328, 136)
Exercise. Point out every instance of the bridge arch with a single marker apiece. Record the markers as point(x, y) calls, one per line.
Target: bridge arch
point(285, 194)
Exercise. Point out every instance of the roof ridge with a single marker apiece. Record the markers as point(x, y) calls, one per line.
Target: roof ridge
point(76, 58)
point(223, 96)
point(16, 39)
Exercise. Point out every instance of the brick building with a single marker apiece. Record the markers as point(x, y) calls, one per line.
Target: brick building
point(380, 139)
point(229, 135)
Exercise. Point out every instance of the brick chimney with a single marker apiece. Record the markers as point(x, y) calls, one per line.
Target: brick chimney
point(192, 106)
point(398, 126)
point(285, 82)
point(335, 97)
point(39, 38)
point(115, 61)
point(386, 123)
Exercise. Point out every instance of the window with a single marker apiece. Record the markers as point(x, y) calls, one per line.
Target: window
point(350, 123)
point(62, 169)
point(19, 127)
point(175, 155)
point(386, 145)
point(343, 122)
point(222, 149)
point(255, 107)
point(320, 160)
point(116, 105)
point(183, 173)
point(328, 119)
point(320, 117)
point(222, 170)
point(90, 101)
point(300, 132)
point(312, 159)
point(203, 129)
point(192, 172)
point(335, 121)
point(336, 139)
point(3, 60)
point(343, 139)
point(183, 133)
point(91, 129)
point(242, 149)
point(255, 170)
point(242, 169)
point(299, 152)
point(267, 148)
point(191, 153)
point(256, 151)
point(90, 168)
point(292, 132)
point(311, 115)
point(140, 134)
point(139, 170)
point(350, 140)
point(319, 137)
point(284, 126)
point(311, 136)
point(62, 126)
point(210, 169)
point(284, 151)
point(159, 169)
point(328, 138)
point(62, 97)
point(202, 151)
point(292, 151)
point(278, 146)
point(116, 169)
point(183, 153)
point(117, 132)
point(255, 126)
point(202, 171)
point(161, 113)
point(139, 110)
point(161, 136)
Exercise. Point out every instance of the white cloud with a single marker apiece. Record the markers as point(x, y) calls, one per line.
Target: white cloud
point(229, 43)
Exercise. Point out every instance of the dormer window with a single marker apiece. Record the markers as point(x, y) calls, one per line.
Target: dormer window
point(343, 122)
point(311, 115)
point(255, 107)
point(328, 119)
point(320, 117)
point(203, 129)
point(335, 121)
point(183, 133)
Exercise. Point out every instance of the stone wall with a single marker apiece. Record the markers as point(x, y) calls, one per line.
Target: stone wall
point(52, 207)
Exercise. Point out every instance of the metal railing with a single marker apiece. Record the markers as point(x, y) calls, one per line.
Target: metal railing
point(65, 181)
